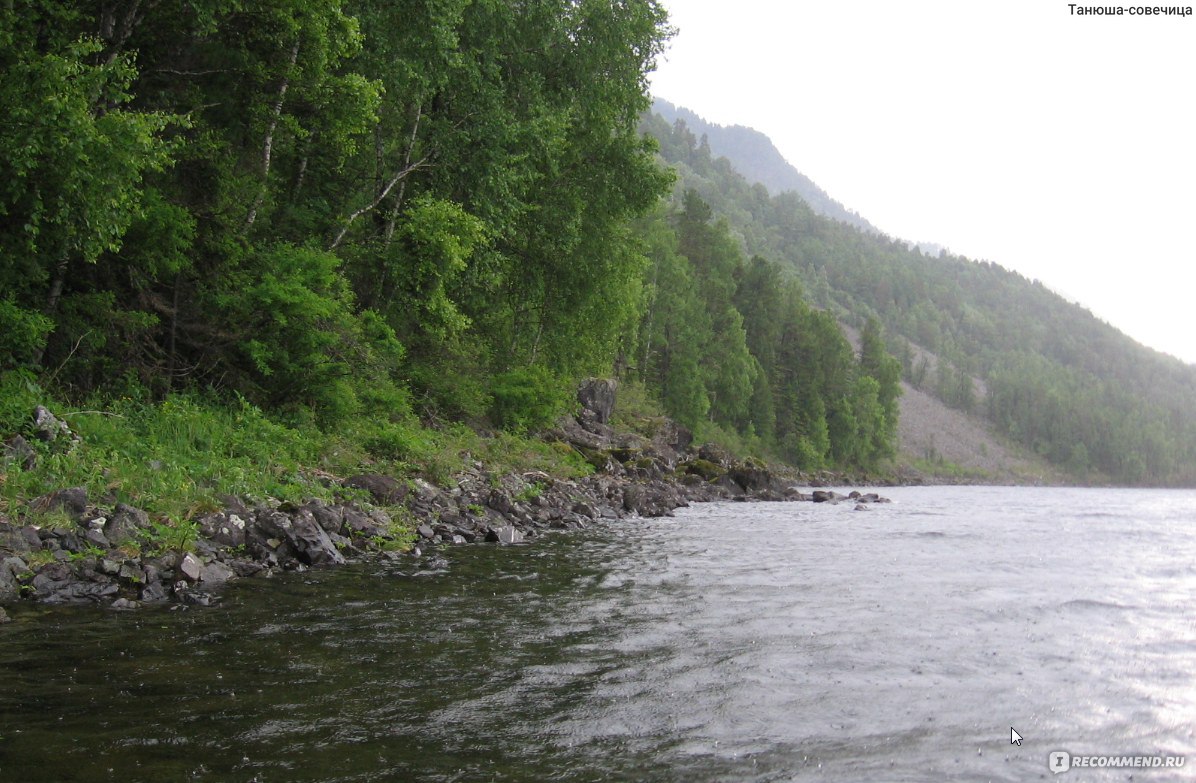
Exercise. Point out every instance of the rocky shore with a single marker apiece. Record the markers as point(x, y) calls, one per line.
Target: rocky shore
point(117, 556)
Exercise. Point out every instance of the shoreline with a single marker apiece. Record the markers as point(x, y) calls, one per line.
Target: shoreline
point(115, 556)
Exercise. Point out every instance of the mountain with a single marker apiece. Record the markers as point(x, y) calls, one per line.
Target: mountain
point(755, 157)
point(1022, 362)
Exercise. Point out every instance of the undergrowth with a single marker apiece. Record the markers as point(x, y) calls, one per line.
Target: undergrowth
point(177, 458)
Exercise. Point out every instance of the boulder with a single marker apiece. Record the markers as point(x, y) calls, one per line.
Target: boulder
point(216, 573)
point(507, 534)
point(49, 428)
point(11, 569)
point(125, 524)
point(651, 500)
point(17, 451)
point(154, 593)
point(597, 397)
point(309, 541)
point(55, 584)
point(752, 478)
point(14, 539)
point(385, 490)
point(226, 528)
point(369, 525)
point(717, 454)
point(71, 501)
point(191, 567)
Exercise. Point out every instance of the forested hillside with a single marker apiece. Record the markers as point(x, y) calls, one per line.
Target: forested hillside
point(1051, 375)
point(368, 223)
point(755, 157)
point(302, 202)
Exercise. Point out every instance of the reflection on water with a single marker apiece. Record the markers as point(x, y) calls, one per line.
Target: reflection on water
point(737, 642)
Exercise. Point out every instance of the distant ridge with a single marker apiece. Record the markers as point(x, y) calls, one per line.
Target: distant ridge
point(755, 157)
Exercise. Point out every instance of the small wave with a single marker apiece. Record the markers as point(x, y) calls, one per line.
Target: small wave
point(1088, 603)
point(924, 534)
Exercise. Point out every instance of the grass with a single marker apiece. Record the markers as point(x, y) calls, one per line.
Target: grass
point(176, 458)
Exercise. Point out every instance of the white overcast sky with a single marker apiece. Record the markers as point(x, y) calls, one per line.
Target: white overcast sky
point(1061, 146)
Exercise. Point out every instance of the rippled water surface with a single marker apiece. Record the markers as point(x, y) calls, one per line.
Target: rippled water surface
point(735, 642)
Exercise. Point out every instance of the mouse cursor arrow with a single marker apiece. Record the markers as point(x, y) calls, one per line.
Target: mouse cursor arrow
point(1014, 737)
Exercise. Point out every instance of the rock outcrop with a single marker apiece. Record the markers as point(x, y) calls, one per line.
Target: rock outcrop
point(118, 556)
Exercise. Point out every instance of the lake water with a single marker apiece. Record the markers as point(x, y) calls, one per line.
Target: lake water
point(734, 642)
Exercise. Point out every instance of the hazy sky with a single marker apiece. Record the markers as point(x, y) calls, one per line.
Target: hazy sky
point(1061, 146)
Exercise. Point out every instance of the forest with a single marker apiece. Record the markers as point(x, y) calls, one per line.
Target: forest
point(1041, 370)
point(374, 223)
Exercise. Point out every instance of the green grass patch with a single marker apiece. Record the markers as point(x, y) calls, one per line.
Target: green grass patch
point(175, 459)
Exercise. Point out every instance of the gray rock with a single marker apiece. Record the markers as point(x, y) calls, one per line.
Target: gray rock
point(216, 573)
point(597, 396)
point(123, 605)
point(191, 567)
point(154, 593)
point(331, 518)
point(651, 500)
point(226, 528)
point(358, 524)
point(124, 525)
point(196, 598)
point(14, 539)
point(70, 591)
point(425, 531)
point(71, 501)
point(130, 572)
point(96, 538)
point(17, 451)
point(4, 618)
point(11, 570)
point(385, 490)
point(507, 534)
point(309, 541)
point(48, 427)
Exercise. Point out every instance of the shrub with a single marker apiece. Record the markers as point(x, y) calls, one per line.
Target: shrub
point(528, 399)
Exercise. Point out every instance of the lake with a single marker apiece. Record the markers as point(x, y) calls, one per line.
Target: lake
point(734, 642)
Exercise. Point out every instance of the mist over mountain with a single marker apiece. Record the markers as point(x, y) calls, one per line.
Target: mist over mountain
point(1035, 369)
point(755, 157)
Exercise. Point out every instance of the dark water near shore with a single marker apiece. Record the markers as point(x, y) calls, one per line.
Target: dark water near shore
point(736, 642)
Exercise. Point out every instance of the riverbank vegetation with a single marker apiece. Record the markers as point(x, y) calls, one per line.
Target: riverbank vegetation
point(244, 243)
point(249, 247)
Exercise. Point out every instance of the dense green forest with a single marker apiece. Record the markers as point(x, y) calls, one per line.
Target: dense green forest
point(384, 218)
point(1044, 371)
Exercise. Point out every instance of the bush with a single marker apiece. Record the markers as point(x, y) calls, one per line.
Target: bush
point(528, 399)
point(22, 334)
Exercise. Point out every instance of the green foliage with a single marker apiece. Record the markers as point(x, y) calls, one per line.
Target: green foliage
point(528, 399)
point(1056, 377)
point(22, 334)
point(170, 536)
point(19, 395)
